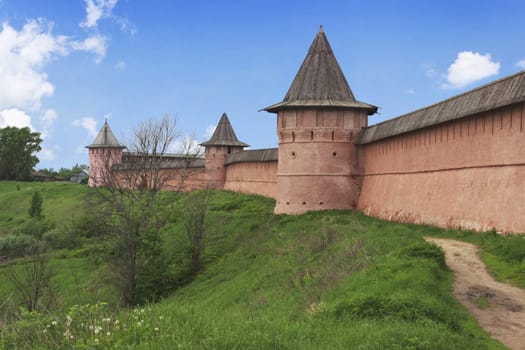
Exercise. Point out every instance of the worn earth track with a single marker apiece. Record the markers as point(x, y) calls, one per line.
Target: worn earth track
point(498, 307)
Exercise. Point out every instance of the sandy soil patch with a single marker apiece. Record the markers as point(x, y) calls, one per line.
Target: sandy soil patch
point(498, 307)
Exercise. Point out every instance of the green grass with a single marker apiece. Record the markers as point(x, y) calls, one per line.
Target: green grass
point(334, 280)
point(62, 201)
point(75, 281)
point(324, 280)
point(504, 256)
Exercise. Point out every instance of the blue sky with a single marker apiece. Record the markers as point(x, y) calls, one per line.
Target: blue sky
point(65, 65)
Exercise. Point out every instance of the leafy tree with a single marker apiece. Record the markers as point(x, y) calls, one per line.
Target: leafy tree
point(35, 210)
point(64, 173)
point(17, 149)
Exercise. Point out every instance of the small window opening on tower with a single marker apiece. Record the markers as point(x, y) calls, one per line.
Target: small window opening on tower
point(229, 149)
point(304, 203)
point(311, 135)
point(334, 154)
point(293, 136)
point(293, 155)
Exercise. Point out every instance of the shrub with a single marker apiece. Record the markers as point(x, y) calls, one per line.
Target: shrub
point(89, 226)
point(35, 210)
point(15, 246)
point(34, 227)
point(62, 238)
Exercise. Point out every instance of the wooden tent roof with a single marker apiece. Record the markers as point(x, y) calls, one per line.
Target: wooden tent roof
point(500, 93)
point(254, 155)
point(320, 83)
point(224, 135)
point(105, 138)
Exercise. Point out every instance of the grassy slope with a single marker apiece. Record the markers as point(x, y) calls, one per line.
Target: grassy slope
point(75, 278)
point(331, 279)
point(334, 280)
point(61, 201)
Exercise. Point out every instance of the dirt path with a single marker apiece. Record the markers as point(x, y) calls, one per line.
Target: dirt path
point(498, 307)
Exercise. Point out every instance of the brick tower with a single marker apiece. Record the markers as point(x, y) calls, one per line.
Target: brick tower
point(103, 153)
point(317, 124)
point(222, 143)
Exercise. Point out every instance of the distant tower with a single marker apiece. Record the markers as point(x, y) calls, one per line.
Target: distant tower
point(103, 153)
point(317, 124)
point(222, 143)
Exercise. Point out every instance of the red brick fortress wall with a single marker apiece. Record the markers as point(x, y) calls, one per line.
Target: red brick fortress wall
point(317, 159)
point(253, 178)
point(468, 172)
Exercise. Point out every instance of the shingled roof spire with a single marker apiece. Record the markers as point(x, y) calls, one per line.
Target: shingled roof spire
point(105, 138)
point(320, 83)
point(224, 135)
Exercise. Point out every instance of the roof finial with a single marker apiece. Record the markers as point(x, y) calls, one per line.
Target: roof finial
point(321, 28)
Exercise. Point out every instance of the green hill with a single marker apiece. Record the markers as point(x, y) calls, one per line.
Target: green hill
point(324, 280)
point(62, 201)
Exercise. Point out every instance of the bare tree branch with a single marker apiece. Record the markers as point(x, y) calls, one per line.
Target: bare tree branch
point(131, 189)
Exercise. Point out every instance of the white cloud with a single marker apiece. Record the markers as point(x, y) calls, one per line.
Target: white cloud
point(95, 43)
point(23, 57)
point(120, 65)
point(95, 10)
point(47, 154)
point(88, 123)
point(187, 144)
point(23, 54)
point(126, 26)
point(47, 120)
point(410, 91)
point(14, 117)
point(209, 131)
point(521, 64)
point(470, 67)
point(81, 149)
point(430, 72)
